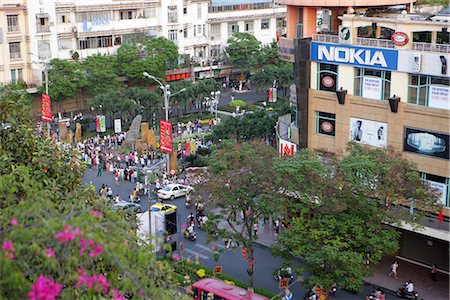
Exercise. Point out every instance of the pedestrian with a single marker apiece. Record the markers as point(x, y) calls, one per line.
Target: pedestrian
point(394, 267)
point(99, 170)
point(433, 272)
point(255, 228)
point(116, 178)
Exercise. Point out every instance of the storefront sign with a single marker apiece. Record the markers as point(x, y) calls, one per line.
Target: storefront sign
point(286, 49)
point(368, 132)
point(117, 125)
point(426, 143)
point(400, 38)
point(165, 129)
point(377, 58)
point(327, 81)
point(441, 189)
point(287, 148)
point(439, 97)
point(46, 108)
point(345, 35)
point(371, 87)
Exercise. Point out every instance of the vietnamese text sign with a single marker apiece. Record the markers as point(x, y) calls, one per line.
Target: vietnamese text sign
point(439, 97)
point(165, 136)
point(376, 58)
point(371, 87)
point(46, 108)
point(368, 132)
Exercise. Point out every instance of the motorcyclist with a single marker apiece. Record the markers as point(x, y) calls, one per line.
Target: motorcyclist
point(191, 219)
point(188, 199)
point(409, 287)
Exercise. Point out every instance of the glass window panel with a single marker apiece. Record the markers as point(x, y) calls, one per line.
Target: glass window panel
point(412, 95)
point(423, 96)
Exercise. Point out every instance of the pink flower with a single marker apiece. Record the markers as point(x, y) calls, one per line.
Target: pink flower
point(83, 243)
point(97, 251)
point(96, 213)
point(50, 253)
point(77, 231)
point(13, 222)
point(44, 289)
point(8, 246)
point(175, 257)
point(10, 255)
point(96, 282)
point(65, 235)
point(117, 295)
point(141, 293)
point(82, 250)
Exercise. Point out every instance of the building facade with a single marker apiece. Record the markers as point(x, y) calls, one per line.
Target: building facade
point(46, 29)
point(380, 79)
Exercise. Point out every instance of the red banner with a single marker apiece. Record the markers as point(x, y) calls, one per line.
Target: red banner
point(165, 136)
point(187, 145)
point(46, 108)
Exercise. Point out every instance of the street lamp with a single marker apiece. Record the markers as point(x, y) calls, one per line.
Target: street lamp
point(215, 96)
point(167, 94)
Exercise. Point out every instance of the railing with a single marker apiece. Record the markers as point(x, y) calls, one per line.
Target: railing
point(326, 38)
point(442, 48)
point(378, 43)
point(13, 28)
point(14, 55)
point(43, 28)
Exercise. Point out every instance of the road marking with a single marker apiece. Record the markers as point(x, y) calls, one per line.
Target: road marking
point(220, 246)
point(195, 253)
point(205, 248)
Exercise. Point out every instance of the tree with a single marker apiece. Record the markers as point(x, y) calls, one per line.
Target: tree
point(58, 239)
point(65, 79)
point(240, 184)
point(339, 210)
point(150, 102)
point(282, 73)
point(100, 73)
point(241, 47)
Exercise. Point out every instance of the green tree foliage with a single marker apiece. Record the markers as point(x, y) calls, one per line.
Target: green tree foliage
point(65, 79)
point(240, 181)
point(100, 73)
point(283, 73)
point(339, 210)
point(52, 226)
point(241, 47)
point(149, 102)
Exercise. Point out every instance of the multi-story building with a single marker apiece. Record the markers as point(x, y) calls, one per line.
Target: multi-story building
point(380, 79)
point(15, 64)
point(76, 29)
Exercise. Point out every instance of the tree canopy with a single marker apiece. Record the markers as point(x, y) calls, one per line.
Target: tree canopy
point(100, 73)
point(58, 239)
point(241, 48)
point(65, 79)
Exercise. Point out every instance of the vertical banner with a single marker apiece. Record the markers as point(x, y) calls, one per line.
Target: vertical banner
point(46, 108)
point(165, 136)
point(270, 95)
point(187, 145)
point(117, 125)
point(97, 123)
point(102, 123)
point(287, 148)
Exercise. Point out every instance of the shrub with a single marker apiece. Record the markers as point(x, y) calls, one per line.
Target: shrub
point(239, 103)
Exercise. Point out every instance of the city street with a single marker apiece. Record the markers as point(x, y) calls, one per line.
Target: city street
point(231, 259)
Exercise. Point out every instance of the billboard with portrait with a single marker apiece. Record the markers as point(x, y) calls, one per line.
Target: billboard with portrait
point(426, 142)
point(368, 132)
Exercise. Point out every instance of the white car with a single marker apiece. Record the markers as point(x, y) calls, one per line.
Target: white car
point(172, 191)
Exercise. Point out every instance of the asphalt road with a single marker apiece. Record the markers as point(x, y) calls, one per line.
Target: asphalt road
point(231, 259)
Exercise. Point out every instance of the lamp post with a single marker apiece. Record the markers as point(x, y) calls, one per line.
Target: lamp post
point(167, 94)
point(215, 96)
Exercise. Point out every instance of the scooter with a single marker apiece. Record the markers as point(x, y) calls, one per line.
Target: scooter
point(402, 293)
point(333, 289)
point(190, 236)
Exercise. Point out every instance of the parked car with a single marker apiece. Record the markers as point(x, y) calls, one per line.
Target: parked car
point(172, 191)
point(127, 206)
point(167, 208)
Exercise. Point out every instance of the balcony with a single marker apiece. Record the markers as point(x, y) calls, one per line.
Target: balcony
point(378, 43)
point(42, 28)
point(326, 38)
point(441, 48)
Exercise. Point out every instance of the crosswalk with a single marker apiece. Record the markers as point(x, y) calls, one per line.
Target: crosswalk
point(202, 251)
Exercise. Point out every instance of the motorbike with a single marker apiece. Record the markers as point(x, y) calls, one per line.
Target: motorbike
point(190, 236)
point(310, 295)
point(402, 293)
point(188, 200)
point(373, 295)
point(284, 273)
point(333, 289)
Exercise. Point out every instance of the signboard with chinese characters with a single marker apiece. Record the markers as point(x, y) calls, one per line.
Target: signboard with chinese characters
point(368, 132)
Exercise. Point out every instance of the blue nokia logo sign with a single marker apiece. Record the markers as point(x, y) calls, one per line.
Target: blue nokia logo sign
point(377, 58)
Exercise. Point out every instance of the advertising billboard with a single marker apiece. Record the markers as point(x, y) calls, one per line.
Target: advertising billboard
point(368, 132)
point(426, 142)
point(439, 97)
point(372, 87)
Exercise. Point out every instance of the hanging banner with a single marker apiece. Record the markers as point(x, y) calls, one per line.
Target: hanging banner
point(117, 125)
point(274, 95)
point(187, 145)
point(46, 108)
point(102, 123)
point(97, 123)
point(165, 136)
point(270, 95)
point(439, 97)
point(287, 148)
point(371, 87)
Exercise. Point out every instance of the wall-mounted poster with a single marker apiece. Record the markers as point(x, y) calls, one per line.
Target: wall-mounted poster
point(368, 132)
point(426, 143)
point(372, 87)
point(439, 97)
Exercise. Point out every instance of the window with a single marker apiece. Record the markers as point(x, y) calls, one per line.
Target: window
point(150, 12)
point(14, 50)
point(215, 30)
point(441, 184)
point(173, 35)
point(95, 42)
point(126, 15)
point(62, 18)
point(13, 23)
point(16, 75)
point(204, 29)
point(185, 32)
point(42, 25)
point(20, 74)
point(281, 23)
point(372, 84)
point(248, 26)
point(199, 11)
point(64, 44)
point(195, 30)
point(13, 77)
point(215, 51)
point(265, 24)
point(185, 10)
point(97, 17)
point(172, 14)
point(429, 91)
point(232, 28)
point(325, 123)
point(327, 76)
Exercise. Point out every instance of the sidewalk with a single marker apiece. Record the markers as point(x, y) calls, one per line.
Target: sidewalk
point(421, 277)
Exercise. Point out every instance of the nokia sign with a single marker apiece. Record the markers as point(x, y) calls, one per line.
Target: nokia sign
point(376, 58)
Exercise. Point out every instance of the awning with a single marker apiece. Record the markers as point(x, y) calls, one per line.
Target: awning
point(42, 16)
